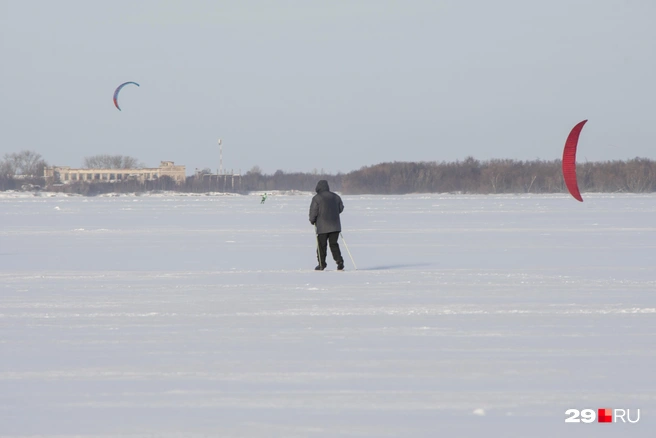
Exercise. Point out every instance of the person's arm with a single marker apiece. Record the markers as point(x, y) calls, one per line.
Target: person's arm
point(341, 206)
point(314, 211)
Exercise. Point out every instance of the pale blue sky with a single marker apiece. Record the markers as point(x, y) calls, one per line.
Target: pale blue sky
point(298, 85)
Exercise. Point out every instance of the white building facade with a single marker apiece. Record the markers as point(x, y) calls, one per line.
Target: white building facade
point(67, 175)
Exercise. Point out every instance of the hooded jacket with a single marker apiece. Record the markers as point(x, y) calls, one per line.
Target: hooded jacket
point(325, 209)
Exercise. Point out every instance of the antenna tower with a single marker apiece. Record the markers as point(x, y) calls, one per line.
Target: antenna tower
point(220, 158)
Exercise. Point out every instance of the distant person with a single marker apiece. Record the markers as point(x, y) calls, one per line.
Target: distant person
point(264, 196)
point(325, 209)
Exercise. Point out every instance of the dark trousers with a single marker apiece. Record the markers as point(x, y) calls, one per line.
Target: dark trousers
point(324, 239)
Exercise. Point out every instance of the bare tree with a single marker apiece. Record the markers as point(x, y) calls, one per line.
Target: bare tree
point(6, 169)
point(255, 170)
point(112, 162)
point(27, 163)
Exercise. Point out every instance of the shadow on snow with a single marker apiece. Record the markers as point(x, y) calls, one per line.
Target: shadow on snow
point(384, 267)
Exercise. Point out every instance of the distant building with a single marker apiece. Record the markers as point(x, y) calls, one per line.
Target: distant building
point(220, 181)
point(67, 175)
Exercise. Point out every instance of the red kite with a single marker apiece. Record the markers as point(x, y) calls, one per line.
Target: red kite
point(569, 161)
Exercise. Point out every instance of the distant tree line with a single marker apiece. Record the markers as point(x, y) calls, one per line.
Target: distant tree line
point(637, 175)
point(470, 175)
point(255, 180)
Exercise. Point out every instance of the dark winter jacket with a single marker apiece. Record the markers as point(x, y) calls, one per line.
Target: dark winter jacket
point(325, 209)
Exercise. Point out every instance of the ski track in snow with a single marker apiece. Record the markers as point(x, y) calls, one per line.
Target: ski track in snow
point(200, 316)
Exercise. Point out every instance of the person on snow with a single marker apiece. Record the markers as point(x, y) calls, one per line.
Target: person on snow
point(264, 196)
point(325, 209)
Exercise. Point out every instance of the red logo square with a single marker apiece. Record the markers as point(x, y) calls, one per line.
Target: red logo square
point(605, 415)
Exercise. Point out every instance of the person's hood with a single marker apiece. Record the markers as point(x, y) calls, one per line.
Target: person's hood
point(322, 186)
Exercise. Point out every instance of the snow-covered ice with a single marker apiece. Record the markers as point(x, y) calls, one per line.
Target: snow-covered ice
point(201, 316)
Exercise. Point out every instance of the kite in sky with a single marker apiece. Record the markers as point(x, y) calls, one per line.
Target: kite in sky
point(118, 90)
